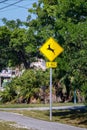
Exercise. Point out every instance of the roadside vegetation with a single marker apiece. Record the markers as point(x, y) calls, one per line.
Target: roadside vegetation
point(33, 87)
point(22, 105)
point(71, 117)
point(10, 126)
point(66, 22)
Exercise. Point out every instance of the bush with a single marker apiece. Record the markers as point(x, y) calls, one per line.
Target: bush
point(84, 91)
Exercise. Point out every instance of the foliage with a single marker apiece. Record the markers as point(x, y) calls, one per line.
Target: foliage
point(17, 45)
point(12, 24)
point(84, 90)
point(66, 21)
point(9, 93)
point(4, 46)
point(25, 86)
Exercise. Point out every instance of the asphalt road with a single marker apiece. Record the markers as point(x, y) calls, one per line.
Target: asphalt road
point(35, 124)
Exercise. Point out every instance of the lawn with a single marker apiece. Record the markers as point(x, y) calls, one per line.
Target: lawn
point(9, 105)
point(10, 126)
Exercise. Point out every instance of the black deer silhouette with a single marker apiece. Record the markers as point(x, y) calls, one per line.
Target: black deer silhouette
point(50, 49)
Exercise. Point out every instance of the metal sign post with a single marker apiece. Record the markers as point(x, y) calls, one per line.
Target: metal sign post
point(74, 96)
point(50, 93)
point(51, 49)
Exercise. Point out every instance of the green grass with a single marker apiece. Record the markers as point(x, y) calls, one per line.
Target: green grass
point(9, 126)
point(9, 105)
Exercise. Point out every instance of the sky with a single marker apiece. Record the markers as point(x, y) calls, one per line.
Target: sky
point(15, 9)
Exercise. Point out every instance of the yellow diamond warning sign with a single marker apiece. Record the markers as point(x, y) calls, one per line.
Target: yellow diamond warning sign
point(51, 49)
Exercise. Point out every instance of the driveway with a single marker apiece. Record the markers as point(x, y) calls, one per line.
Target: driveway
point(35, 124)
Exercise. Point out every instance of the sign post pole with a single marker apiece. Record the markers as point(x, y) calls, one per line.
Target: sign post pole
point(50, 93)
point(51, 49)
point(74, 96)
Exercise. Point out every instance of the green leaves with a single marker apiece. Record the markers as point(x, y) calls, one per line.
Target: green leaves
point(4, 46)
point(27, 85)
point(66, 21)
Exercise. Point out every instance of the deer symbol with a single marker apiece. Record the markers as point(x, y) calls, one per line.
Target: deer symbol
point(50, 49)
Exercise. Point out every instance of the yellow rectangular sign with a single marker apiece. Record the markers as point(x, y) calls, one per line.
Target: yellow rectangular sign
point(51, 64)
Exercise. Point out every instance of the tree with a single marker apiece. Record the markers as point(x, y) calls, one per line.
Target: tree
point(66, 21)
point(12, 24)
point(19, 45)
point(4, 46)
point(84, 90)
